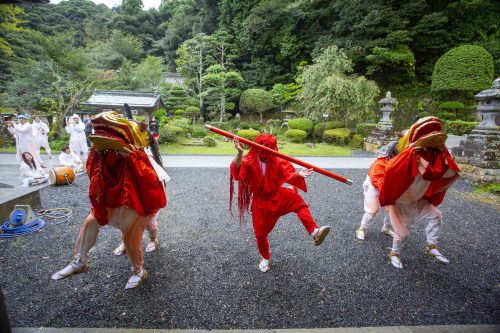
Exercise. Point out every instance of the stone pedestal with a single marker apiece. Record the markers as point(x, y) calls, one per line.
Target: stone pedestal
point(479, 154)
point(384, 132)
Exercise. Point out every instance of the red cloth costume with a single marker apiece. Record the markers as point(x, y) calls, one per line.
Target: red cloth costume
point(269, 200)
point(123, 181)
point(400, 173)
point(377, 171)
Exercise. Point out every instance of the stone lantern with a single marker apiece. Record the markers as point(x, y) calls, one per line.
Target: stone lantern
point(478, 155)
point(384, 131)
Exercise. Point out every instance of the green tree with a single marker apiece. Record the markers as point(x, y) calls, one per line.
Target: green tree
point(9, 22)
point(192, 112)
point(463, 71)
point(192, 61)
point(256, 101)
point(150, 73)
point(328, 87)
point(222, 88)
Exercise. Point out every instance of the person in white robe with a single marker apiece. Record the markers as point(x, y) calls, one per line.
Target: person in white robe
point(41, 131)
point(25, 139)
point(78, 140)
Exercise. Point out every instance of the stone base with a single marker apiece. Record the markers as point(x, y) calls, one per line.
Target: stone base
point(480, 149)
point(18, 196)
point(479, 175)
point(371, 147)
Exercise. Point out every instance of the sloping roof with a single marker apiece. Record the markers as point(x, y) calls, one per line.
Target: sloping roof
point(174, 78)
point(116, 98)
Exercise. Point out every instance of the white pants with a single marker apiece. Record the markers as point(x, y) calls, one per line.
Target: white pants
point(42, 142)
point(404, 214)
point(371, 204)
point(79, 146)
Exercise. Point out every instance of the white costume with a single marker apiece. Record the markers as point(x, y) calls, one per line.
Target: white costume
point(32, 177)
point(71, 160)
point(41, 131)
point(78, 140)
point(25, 141)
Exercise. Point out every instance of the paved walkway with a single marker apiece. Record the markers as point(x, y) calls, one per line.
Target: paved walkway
point(392, 329)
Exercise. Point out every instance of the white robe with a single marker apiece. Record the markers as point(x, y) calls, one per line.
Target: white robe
point(29, 175)
point(41, 131)
point(25, 141)
point(78, 140)
point(71, 160)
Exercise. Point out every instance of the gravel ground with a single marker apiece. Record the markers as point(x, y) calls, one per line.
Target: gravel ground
point(205, 276)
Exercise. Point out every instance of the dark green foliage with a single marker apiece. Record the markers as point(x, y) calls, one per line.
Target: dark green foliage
point(338, 136)
point(447, 115)
point(198, 131)
point(296, 135)
point(301, 124)
point(170, 134)
point(459, 127)
point(256, 100)
point(365, 129)
point(463, 71)
point(255, 126)
point(209, 141)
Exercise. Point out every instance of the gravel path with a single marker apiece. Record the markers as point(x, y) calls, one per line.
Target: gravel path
point(205, 274)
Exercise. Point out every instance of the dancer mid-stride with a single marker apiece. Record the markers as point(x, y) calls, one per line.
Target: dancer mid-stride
point(125, 192)
point(260, 177)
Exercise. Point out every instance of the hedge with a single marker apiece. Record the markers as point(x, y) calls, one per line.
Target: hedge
point(356, 141)
point(447, 115)
point(303, 124)
point(169, 133)
point(463, 69)
point(459, 127)
point(451, 106)
point(318, 129)
point(248, 134)
point(296, 135)
point(339, 136)
point(365, 129)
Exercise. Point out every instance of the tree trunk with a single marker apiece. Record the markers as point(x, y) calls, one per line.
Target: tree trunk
point(222, 106)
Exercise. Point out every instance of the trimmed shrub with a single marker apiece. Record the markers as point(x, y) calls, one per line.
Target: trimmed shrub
point(256, 100)
point(179, 112)
point(181, 122)
point(365, 129)
point(451, 106)
point(255, 126)
point(296, 135)
point(463, 70)
point(248, 134)
point(318, 128)
point(447, 115)
point(339, 136)
point(356, 141)
point(459, 127)
point(170, 134)
point(209, 141)
point(303, 124)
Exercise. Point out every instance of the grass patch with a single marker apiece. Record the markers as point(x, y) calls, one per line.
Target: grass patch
point(490, 188)
point(227, 148)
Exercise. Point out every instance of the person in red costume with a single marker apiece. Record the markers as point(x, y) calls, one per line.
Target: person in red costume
point(260, 177)
point(415, 183)
point(124, 192)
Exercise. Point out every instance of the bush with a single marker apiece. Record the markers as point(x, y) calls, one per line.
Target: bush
point(451, 106)
point(339, 136)
point(296, 135)
point(356, 141)
point(318, 129)
point(198, 131)
point(255, 126)
point(181, 122)
point(447, 115)
point(179, 112)
point(463, 70)
point(170, 134)
point(274, 125)
point(61, 141)
point(365, 129)
point(256, 100)
point(459, 127)
point(248, 134)
point(209, 141)
point(303, 124)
